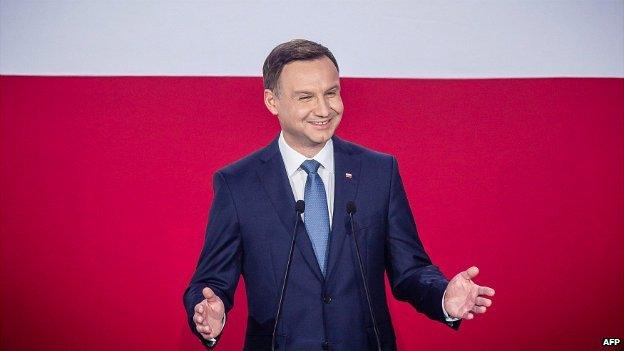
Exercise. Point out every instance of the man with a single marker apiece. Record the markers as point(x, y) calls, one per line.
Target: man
point(253, 214)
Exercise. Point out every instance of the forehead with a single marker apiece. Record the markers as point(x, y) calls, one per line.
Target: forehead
point(320, 73)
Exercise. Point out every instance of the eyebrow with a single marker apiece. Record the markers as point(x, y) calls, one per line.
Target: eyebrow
point(301, 92)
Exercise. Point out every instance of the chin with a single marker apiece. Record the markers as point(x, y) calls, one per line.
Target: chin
point(322, 138)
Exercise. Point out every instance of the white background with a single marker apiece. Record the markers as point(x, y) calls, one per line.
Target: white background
point(434, 39)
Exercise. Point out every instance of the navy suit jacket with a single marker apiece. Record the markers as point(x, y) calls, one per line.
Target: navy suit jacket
point(249, 232)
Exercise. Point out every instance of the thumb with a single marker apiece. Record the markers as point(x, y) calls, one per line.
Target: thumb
point(470, 272)
point(209, 295)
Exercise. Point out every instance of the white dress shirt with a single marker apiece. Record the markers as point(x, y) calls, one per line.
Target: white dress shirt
point(297, 176)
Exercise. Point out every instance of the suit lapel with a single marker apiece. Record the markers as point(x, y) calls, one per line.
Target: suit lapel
point(272, 174)
point(345, 190)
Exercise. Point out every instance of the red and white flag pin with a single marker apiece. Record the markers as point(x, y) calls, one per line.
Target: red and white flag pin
point(348, 175)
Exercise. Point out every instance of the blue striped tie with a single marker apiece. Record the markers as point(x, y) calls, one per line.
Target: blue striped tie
point(316, 215)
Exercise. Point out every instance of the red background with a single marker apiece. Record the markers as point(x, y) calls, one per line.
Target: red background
point(105, 186)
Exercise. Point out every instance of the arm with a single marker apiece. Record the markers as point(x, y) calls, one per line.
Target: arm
point(219, 263)
point(412, 275)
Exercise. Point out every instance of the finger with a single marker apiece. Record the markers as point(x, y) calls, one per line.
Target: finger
point(470, 272)
point(468, 316)
point(479, 309)
point(204, 329)
point(205, 335)
point(482, 301)
point(199, 308)
point(198, 319)
point(487, 291)
point(209, 294)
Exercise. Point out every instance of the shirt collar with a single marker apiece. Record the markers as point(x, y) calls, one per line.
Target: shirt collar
point(293, 159)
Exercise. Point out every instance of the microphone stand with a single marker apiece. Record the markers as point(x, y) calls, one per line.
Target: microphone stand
point(300, 208)
point(351, 209)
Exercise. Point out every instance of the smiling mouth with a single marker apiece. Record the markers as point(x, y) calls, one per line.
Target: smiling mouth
point(320, 123)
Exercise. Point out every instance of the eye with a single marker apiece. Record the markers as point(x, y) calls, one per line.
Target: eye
point(305, 98)
point(330, 93)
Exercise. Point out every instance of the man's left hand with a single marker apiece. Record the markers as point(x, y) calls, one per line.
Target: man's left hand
point(464, 298)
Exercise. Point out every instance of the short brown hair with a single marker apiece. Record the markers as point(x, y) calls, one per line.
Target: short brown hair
point(294, 50)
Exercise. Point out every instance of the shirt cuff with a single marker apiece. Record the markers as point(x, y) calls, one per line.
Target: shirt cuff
point(446, 316)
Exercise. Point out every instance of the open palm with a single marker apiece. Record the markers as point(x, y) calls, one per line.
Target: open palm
point(209, 315)
point(464, 298)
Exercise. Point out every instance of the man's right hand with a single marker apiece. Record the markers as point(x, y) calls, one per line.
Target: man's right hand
point(209, 314)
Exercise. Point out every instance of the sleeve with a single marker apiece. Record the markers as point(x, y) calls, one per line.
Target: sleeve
point(412, 276)
point(219, 263)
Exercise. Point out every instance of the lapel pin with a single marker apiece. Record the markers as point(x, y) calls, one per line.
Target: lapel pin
point(348, 175)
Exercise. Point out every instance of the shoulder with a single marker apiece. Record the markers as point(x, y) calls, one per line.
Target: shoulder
point(366, 155)
point(244, 170)
point(242, 166)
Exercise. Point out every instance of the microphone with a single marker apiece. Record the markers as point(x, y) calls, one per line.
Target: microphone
point(299, 208)
point(351, 209)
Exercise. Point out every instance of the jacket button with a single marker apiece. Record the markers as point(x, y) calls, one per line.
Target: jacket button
point(325, 345)
point(327, 298)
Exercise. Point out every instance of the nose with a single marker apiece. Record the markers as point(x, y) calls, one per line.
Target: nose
point(322, 108)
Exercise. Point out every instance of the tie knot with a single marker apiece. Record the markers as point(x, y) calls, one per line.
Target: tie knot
point(310, 166)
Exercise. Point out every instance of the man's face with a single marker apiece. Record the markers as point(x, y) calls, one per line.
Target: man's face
point(308, 106)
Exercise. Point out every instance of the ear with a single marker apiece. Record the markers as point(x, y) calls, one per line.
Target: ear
point(270, 101)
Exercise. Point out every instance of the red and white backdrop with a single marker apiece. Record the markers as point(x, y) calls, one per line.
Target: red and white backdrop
point(507, 121)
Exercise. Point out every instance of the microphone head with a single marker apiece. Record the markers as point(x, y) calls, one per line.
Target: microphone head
point(300, 206)
point(351, 209)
